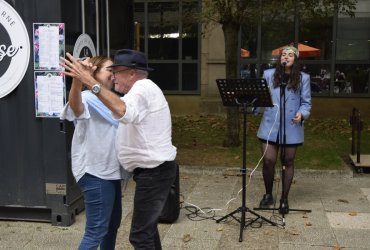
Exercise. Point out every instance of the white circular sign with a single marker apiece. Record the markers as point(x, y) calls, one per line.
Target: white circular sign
point(84, 47)
point(14, 49)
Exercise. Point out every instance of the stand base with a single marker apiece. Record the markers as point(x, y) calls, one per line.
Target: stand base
point(290, 209)
point(283, 215)
point(243, 225)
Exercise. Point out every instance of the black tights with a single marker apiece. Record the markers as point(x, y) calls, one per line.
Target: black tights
point(269, 162)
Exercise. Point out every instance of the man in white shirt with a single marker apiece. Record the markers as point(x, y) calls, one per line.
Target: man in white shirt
point(144, 139)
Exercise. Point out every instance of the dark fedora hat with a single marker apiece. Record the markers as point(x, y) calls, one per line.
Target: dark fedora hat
point(132, 59)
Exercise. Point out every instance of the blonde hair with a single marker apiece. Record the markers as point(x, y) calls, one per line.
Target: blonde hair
point(99, 61)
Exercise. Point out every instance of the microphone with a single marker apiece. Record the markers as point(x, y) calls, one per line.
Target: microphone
point(284, 64)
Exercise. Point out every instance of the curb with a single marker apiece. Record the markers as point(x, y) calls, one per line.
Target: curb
point(220, 170)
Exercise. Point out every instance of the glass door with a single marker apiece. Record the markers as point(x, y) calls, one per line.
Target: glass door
point(109, 23)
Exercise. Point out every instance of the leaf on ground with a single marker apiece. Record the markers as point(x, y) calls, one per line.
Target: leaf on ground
point(294, 233)
point(186, 238)
point(308, 224)
point(220, 229)
point(269, 233)
point(230, 172)
point(336, 247)
point(353, 213)
point(344, 201)
point(214, 125)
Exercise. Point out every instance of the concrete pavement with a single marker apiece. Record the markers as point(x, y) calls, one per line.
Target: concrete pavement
point(340, 217)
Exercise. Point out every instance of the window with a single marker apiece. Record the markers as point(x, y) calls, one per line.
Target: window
point(165, 75)
point(317, 33)
point(140, 25)
point(334, 49)
point(120, 25)
point(277, 31)
point(189, 32)
point(320, 77)
point(248, 44)
point(163, 30)
point(351, 79)
point(353, 52)
point(169, 35)
point(353, 34)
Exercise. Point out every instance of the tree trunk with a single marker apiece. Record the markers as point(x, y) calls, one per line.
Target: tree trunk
point(231, 32)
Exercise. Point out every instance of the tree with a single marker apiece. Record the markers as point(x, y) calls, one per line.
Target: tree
point(232, 14)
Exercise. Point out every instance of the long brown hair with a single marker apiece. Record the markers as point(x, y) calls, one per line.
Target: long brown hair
point(294, 77)
point(98, 61)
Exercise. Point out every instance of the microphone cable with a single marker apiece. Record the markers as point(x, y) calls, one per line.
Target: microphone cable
point(197, 214)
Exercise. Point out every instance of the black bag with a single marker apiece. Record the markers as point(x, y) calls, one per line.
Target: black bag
point(171, 209)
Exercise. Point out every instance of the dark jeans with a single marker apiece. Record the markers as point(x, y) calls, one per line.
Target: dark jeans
point(152, 188)
point(103, 207)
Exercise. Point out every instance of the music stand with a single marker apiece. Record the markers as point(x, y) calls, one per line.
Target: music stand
point(243, 93)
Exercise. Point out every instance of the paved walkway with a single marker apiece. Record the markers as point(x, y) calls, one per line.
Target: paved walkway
point(340, 217)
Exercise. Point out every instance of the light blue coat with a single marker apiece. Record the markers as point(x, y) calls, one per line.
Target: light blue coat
point(299, 101)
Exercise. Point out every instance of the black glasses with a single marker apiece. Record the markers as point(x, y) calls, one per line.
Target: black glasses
point(119, 71)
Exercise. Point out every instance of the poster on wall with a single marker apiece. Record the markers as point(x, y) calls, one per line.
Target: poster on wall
point(49, 45)
point(49, 78)
point(14, 49)
point(50, 93)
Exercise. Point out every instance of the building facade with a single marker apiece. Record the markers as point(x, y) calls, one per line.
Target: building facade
point(335, 51)
point(188, 59)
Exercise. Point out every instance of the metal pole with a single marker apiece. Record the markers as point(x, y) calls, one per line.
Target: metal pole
point(359, 128)
point(353, 122)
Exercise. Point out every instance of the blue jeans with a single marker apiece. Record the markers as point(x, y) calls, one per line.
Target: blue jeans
point(103, 207)
point(152, 188)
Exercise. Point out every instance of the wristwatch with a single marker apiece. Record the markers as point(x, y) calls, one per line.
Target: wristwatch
point(96, 88)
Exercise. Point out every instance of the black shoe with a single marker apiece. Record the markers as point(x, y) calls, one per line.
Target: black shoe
point(266, 201)
point(284, 206)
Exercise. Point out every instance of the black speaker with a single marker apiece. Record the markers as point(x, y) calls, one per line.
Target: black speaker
point(171, 209)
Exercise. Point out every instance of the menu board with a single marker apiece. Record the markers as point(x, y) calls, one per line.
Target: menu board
point(49, 78)
point(49, 93)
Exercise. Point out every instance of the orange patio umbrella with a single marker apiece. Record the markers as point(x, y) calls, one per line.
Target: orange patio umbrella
point(304, 50)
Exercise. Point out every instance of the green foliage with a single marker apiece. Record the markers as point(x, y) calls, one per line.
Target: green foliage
point(239, 11)
point(327, 142)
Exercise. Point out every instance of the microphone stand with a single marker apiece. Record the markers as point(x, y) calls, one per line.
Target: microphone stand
point(282, 132)
point(282, 138)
